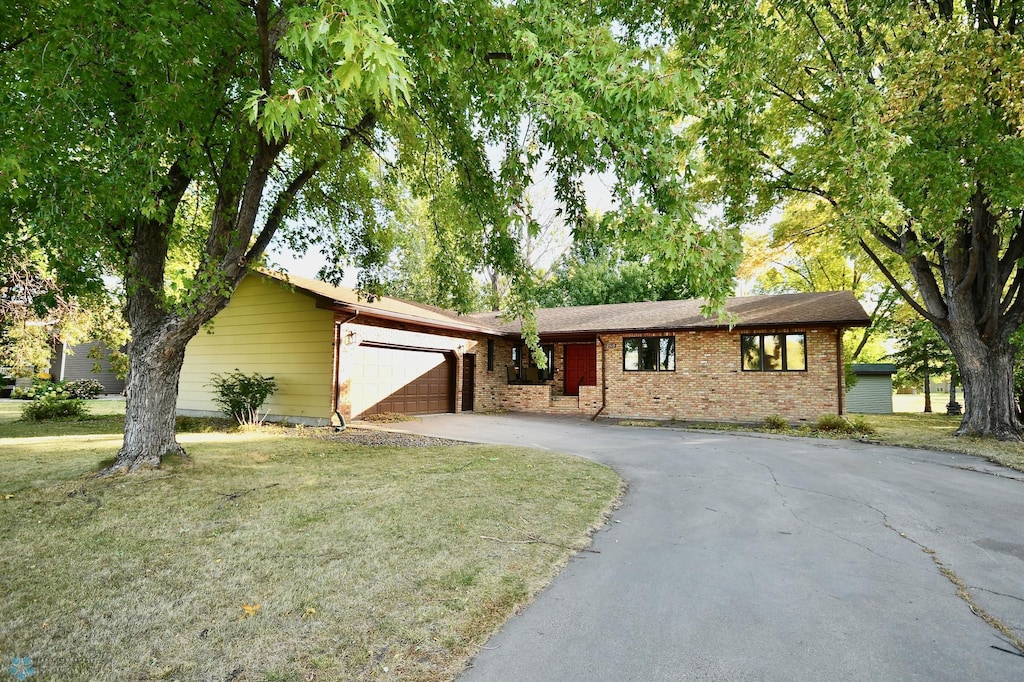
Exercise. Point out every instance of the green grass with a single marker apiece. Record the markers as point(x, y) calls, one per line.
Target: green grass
point(365, 563)
point(935, 431)
point(105, 416)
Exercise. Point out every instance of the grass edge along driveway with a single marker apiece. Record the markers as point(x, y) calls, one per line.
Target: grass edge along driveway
point(278, 557)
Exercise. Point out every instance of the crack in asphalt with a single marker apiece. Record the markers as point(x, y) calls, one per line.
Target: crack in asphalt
point(963, 591)
point(1000, 594)
point(785, 504)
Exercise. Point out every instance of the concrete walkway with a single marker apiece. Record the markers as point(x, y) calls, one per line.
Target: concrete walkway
point(769, 558)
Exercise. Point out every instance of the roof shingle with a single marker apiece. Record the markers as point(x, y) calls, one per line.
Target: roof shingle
point(783, 310)
point(830, 308)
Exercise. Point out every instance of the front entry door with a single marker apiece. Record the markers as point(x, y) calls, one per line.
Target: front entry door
point(580, 367)
point(468, 381)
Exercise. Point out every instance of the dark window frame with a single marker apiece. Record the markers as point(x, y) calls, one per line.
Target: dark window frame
point(762, 364)
point(490, 355)
point(521, 351)
point(657, 365)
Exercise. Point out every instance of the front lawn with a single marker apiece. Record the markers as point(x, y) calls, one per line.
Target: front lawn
point(935, 431)
point(276, 556)
point(105, 416)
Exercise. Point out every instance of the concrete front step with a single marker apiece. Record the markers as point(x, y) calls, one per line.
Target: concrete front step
point(566, 403)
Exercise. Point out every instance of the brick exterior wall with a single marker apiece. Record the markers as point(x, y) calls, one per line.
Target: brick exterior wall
point(708, 383)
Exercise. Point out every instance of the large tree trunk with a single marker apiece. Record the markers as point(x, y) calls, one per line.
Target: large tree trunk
point(987, 377)
point(152, 395)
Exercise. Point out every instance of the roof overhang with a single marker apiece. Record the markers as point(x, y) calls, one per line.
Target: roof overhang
point(391, 316)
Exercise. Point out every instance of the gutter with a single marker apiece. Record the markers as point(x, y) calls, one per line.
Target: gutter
point(450, 325)
point(336, 381)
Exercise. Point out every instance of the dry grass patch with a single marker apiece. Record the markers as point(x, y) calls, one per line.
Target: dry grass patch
point(364, 563)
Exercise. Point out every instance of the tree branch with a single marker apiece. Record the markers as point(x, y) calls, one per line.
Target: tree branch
point(262, 12)
point(899, 287)
point(1014, 252)
point(799, 101)
point(824, 43)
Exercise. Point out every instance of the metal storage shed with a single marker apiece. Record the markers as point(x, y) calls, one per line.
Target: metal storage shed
point(872, 394)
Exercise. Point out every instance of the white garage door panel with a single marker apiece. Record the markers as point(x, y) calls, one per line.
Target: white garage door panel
point(400, 380)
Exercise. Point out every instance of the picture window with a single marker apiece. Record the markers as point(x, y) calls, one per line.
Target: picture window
point(773, 352)
point(649, 354)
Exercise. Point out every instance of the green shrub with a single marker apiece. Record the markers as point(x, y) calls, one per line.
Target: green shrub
point(774, 422)
point(54, 407)
point(86, 389)
point(240, 395)
point(41, 388)
point(860, 425)
point(834, 423)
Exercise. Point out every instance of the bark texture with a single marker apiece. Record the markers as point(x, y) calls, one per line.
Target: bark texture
point(987, 377)
point(149, 429)
point(971, 288)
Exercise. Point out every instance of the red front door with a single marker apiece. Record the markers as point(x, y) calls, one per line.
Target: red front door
point(580, 367)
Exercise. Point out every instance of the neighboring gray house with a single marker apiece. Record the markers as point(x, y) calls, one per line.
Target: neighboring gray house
point(70, 363)
point(872, 394)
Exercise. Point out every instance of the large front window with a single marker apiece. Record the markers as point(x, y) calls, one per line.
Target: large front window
point(649, 354)
point(525, 368)
point(773, 352)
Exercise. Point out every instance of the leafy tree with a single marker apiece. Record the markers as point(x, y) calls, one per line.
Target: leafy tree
point(434, 258)
point(170, 142)
point(800, 254)
point(36, 311)
point(598, 269)
point(921, 355)
point(905, 118)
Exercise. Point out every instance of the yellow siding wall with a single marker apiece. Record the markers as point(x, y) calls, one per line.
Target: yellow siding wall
point(270, 329)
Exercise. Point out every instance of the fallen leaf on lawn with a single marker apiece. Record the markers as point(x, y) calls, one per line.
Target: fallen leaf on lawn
point(250, 610)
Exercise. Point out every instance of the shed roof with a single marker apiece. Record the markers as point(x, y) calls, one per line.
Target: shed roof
point(876, 368)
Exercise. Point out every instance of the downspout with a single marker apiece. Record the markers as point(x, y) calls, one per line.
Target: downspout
point(335, 383)
point(63, 360)
point(840, 371)
point(604, 384)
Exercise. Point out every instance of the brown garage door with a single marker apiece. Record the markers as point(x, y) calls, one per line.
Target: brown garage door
point(401, 380)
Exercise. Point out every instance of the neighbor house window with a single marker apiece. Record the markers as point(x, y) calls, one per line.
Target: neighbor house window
point(773, 352)
point(490, 355)
point(649, 354)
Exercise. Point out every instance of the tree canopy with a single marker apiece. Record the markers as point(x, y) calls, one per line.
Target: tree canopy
point(906, 119)
point(598, 269)
point(169, 143)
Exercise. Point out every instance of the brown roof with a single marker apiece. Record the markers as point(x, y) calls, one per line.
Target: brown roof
point(831, 308)
point(346, 299)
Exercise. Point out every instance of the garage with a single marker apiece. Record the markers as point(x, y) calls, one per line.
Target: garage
point(405, 380)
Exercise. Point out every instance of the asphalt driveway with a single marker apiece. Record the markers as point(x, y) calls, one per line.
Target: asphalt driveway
point(759, 558)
